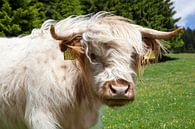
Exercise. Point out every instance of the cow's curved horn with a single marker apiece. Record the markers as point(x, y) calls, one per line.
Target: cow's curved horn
point(54, 35)
point(150, 33)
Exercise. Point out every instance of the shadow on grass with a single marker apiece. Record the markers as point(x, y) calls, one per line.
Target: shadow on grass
point(166, 58)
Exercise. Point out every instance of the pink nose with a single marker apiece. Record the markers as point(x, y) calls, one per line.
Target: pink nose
point(117, 92)
point(120, 89)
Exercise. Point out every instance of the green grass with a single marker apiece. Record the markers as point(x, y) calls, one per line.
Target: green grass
point(165, 98)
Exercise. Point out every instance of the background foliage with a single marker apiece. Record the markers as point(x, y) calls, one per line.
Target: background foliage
point(189, 39)
point(18, 17)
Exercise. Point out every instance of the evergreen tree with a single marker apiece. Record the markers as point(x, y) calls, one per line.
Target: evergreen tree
point(189, 40)
point(93, 6)
point(20, 16)
point(60, 9)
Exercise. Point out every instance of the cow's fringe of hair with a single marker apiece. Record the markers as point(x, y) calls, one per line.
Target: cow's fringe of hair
point(74, 25)
point(80, 24)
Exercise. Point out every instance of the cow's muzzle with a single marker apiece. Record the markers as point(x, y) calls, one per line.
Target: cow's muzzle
point(117, 92)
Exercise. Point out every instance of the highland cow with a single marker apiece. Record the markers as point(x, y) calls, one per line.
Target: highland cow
point(61, 74)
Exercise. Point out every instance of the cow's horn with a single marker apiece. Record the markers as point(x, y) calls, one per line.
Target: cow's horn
point(150, 33)
point(54, 35)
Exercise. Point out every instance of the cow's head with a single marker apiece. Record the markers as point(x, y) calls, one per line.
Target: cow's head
point(113, 47)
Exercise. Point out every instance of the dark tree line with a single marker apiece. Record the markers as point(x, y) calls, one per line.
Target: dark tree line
point(189, 39)
point(21, 16)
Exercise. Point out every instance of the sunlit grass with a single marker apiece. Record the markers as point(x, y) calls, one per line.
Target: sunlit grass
point(165, 98)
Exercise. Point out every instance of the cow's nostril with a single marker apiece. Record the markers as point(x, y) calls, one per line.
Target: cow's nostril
point(112, 89)
point(127, 89)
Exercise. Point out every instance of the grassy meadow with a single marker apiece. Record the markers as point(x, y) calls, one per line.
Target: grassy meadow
point(165, 98)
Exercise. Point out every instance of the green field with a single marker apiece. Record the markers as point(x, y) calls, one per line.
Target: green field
point(165, 98)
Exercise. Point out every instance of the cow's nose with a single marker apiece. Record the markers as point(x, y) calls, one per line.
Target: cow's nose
point(119, 89)
point(117, 92)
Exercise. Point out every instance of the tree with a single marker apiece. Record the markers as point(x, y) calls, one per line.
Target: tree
point(93, 6)
point(20, 16)
point(60, 9)
point(189, 40)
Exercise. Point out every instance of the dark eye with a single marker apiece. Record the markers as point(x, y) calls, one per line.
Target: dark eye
point(93, 56)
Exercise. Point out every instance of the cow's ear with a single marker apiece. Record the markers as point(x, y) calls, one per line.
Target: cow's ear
point(72, 41)
point(150, 38)
point(153, 50)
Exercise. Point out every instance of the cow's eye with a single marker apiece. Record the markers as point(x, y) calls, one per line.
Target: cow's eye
point(93, 57)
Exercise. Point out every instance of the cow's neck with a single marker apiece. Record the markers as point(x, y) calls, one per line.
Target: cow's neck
point(85, 86)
